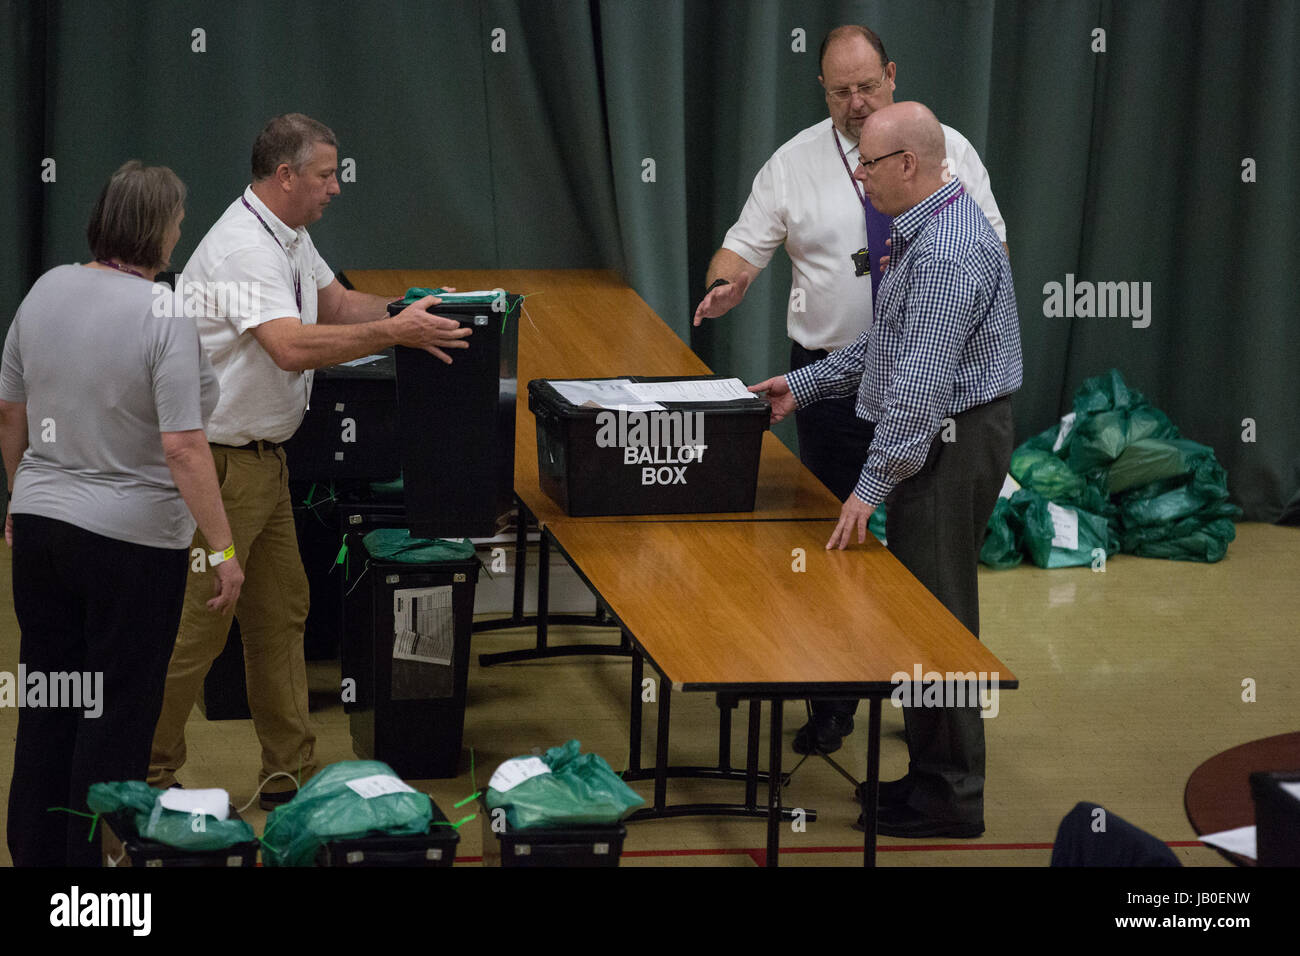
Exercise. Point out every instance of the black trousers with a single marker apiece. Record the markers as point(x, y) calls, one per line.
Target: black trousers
point(833, 441)
point(93, 605)
point(935, 524)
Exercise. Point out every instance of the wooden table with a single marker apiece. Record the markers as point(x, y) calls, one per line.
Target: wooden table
point(749, 631)
point(1218, 796)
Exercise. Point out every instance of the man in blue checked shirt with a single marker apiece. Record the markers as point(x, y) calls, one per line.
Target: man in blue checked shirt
point(945, 343)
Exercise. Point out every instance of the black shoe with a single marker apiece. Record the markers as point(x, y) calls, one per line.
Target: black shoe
point(822, 734)
point(889, 791)
point(903, 821)
point(277, 798)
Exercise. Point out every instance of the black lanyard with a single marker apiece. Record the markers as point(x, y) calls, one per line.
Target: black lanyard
point(297, 286)
point(857, 188)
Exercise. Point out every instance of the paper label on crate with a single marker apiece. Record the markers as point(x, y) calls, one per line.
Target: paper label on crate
point(706, 390)
point(514, 772)
point(1062, 433)
point(1009, 487)
point(610, 393)
point(364, 360)
point(1065, 527)
point(213, 802)
point(1293, 789)
point(379, 785)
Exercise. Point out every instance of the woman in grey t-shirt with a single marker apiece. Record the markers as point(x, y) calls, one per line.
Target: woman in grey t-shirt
point(103, 399)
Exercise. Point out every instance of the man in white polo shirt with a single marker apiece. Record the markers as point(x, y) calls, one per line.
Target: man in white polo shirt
point(805, 197)
point(273, 312)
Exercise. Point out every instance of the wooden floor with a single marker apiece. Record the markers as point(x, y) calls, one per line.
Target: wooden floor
point(1128, 680)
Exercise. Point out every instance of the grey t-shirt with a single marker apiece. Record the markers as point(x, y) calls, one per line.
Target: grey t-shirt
point(102, 376)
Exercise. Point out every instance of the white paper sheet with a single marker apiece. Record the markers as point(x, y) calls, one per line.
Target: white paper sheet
point(514, 772)
point(708, 390)
point(423, 629)
point(1065, 527)
point(1009, 487)
point(1240, 841)
point(378, 785)
point(213, 802)
point(1062, 433)
point(610, 393)
point(364, 360)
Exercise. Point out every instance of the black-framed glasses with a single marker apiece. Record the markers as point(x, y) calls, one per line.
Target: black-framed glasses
point(845, 93)
point(870, 164)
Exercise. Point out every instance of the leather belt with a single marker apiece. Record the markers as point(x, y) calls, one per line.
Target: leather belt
point(259, 445)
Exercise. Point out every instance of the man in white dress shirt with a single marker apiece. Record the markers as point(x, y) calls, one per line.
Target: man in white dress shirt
point(273, 311)
point(805, 197)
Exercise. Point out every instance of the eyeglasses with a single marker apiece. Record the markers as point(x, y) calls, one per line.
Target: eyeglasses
point(845, 93)
point(870, 164)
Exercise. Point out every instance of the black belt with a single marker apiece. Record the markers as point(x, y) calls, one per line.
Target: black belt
point(259, 445)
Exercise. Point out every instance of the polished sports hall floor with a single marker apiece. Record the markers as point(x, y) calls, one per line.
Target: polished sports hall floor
point(1129, 679)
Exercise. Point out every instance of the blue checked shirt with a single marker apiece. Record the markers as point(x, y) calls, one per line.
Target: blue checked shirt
point(946, 338)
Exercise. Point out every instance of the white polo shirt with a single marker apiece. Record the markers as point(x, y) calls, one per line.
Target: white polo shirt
point(259, 400)
point(803, 197)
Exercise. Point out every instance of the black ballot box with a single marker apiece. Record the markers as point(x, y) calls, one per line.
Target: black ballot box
point(688, 457)
point(457, 423)
point(349, 432)
point(1277, 817)
point(406, 650)
point(435, 847)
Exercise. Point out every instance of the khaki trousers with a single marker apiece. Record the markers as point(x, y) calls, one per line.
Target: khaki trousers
point(272, 612)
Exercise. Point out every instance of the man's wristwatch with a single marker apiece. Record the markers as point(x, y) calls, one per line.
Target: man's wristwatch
point(216, 557)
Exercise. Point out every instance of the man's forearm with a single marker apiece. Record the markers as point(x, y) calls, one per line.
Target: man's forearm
point(360, 307)
point(726, 264)
point(316, 346)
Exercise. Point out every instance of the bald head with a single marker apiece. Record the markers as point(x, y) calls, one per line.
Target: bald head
point(910, 135)
point(911, 126)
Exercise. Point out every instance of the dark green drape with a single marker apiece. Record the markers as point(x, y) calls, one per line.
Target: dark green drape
point(1123, 165)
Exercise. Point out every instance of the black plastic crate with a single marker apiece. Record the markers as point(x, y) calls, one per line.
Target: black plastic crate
point(148, 853)
point(1277, 818)
point(582, 845)
point(349, 431)
point(437, 847)
point(696, 457)
point(409, 714)
point(457, 423)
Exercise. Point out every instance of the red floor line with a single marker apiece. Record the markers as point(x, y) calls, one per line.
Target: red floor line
point(760, 853)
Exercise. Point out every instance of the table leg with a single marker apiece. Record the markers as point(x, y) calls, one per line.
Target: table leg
point(661, 744)
point(751, 754)
point(872, 785)
point(774, 786)
point(634, 733)
point(521, 560)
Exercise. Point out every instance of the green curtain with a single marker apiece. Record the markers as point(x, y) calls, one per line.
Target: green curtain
point(623, 134)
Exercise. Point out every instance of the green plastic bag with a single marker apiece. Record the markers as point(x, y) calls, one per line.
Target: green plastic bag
point(876, 524)
point(345, 801)
point(1001, 549)
point(138, 803)
point(396, 544)
point(573, 788)
point(1045, 473)
point(1062, 536)
point(1192, 539)
point(1154, 459)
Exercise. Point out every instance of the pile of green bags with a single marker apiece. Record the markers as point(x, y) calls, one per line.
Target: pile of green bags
point(1113, 477)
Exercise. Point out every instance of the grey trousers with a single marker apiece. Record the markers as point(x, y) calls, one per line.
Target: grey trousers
point(935, 525)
